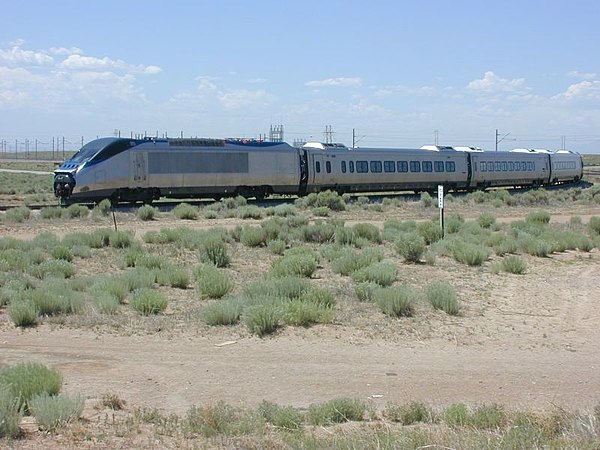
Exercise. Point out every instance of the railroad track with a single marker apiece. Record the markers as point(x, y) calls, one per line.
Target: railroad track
point(168, 205)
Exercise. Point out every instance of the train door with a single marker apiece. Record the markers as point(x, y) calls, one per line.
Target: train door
point(139, 169)
point(317, 168)
point(303, 172)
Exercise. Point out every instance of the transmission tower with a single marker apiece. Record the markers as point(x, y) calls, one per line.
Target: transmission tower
point(276, 133)
point(328, 134)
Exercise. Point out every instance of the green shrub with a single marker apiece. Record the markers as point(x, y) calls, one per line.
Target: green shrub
point(594, 226)
point(318, 295)
point(366, 291)
point(56, 268)
point(185, 211)
point(103, 208)
point(62, 252)
point(348, 261)
point(75, 211)
point(26, 380)
point(146, 213)
point(456, 415)
point(488, 417)
point(321, 211)
point(383, 273)
point(55, 299)
point(234, 202)
point(431, 232)
point(486, 220)
point(277, 247)
point(285, 210)
point(454, 223)
point(426, 199)
point(226, 312)
point(147, 301)
point(23, 313)
point(284, 417)
point(81, 251)
point(411, 246)
point(51, 212)
point(305, 313)
point(105, 303)
point(336, 411)
point(319, 232)
point(534, 246)
point(368, 231)
point(443, 296)
point(294, 265)
point(409, 414)
point(10, 414)
point(396, 301)
point(514, 264)
point(120, 239)
point(18, 214)
point(211, 282)
point(538, 217)
point(253, 236)
point(112, 286)
point(151, 261)
point(329, 199)
point(131, 256)
point(470, 254)
point(50, 412)
point(174, 277)
point(214, 251)
point(262, 319)
point(250, 212)
point(286, 287)
point(138, 278)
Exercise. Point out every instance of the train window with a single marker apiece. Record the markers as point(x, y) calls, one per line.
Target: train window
point(497, 167)
point(389, 166)
point(438, 166)
point(362, 167)
point(511, 166)
point(482, 166)
point(318, 167)
point(530, 166)
point(490, 166)
point(402, 166)
point(343, 166)
point(328, 166)
point(415, 166)
point(450, 166)
point(504, 166)
point(351, 166)
point(376, 166)
point(427, 166)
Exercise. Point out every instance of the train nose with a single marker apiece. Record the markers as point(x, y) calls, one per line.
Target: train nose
point(63, 185)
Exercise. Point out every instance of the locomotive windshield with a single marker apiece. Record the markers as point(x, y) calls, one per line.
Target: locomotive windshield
point(90, 149)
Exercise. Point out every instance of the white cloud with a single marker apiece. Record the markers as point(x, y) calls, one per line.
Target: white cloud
point(585, 90)
point(343, 82)
point(15, 56)
point(493, 84)
point(65, 51)
point(241, 98)
point(582, 75)
point(80, 62)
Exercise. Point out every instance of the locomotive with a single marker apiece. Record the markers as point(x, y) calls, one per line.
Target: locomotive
point(144, 170)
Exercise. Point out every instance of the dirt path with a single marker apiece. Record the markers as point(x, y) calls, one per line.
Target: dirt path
point(175, 375)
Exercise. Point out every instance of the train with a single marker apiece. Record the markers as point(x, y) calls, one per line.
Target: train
point(144, 170)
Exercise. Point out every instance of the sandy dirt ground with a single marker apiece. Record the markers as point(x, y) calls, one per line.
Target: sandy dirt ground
point(524, 341)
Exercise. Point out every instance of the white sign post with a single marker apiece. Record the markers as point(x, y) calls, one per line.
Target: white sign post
point(441, 206)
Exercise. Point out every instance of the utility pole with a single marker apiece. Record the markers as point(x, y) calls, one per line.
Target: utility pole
point(436, 134)
point(328, 134)
point(500, 139)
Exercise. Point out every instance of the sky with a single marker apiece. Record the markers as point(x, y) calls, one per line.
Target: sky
point(401, 73)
